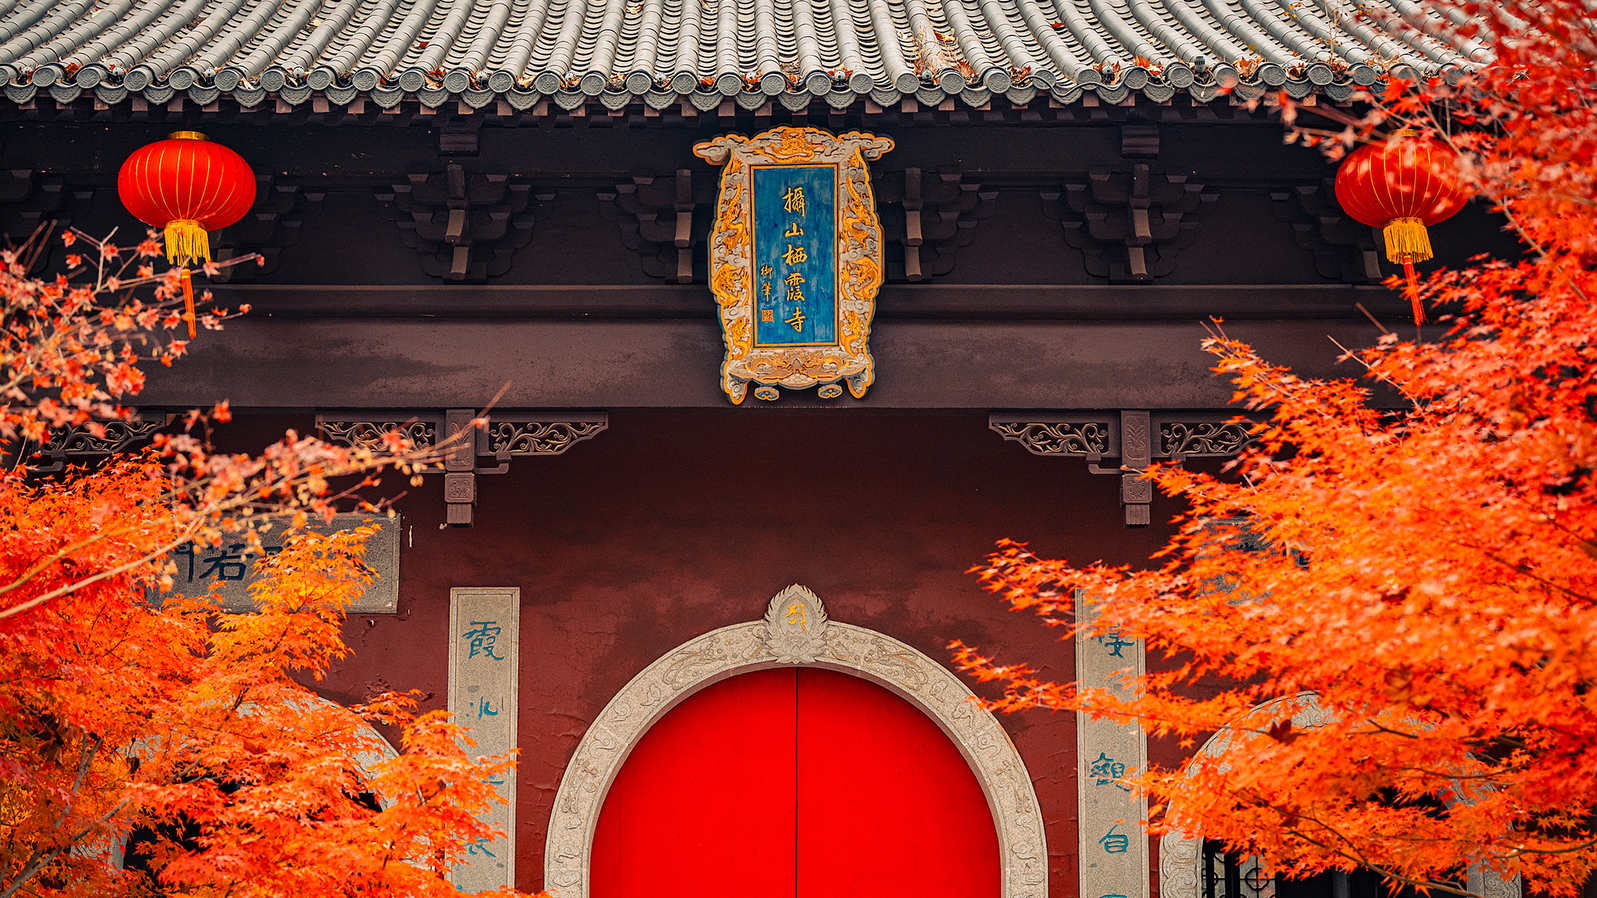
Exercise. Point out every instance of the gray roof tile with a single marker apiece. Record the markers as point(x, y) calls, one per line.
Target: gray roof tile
point(706, 50)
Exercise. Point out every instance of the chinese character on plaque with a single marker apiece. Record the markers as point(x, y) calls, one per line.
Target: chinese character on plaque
point(795, 260)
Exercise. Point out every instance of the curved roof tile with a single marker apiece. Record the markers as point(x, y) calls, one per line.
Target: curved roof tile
point(709, 50)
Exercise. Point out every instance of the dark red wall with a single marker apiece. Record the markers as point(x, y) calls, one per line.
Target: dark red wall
point(669, 525)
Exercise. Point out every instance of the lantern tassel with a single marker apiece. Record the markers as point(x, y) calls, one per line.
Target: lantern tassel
point(1408, 242)
point(186, 242)
point(1406, 239)
point(1413, 292)
point(188, 301)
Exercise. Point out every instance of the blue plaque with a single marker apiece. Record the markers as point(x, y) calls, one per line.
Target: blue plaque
point(795, 260)
point(795, 250)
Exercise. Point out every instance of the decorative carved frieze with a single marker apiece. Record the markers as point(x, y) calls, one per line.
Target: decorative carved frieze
point(84, 443)
point(1198, 439)
point(1343, 249)
point(503, 439)
point(28, 199)
point(507, 435)
point(1130, 223)
point(372, 434)
point(796, 630)
point(657, 218)
point(1083, 437)
point(926, 216)
point(271, 226)
point(465, 225)
point(1135, 438)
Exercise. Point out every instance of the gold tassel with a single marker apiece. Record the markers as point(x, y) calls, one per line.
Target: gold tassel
point(187, 241)
point(1406, 241)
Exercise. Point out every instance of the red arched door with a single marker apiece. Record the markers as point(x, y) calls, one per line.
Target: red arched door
point(795, 783)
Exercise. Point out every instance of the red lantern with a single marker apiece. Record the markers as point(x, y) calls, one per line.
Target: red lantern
point(1402, 186)
point(188, 186)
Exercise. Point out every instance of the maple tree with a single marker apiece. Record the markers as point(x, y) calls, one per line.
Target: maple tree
point(126, 707)
point(1428, 572)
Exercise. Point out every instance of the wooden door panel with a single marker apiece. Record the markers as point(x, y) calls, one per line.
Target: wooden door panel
point(795, 783)
point(703, 807)
point(887, 806)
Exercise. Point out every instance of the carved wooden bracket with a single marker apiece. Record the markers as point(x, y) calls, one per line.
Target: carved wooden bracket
point(271, 226)
point(508, 435)
point(1135, 438)
point(28, 198)
point(1343, 249)
point(1130, 223)
point(80, 444)
point(464, 224)
point(925, 217)
point(658, 221)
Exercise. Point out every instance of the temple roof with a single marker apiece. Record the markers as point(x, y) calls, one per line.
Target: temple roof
point(706, 52)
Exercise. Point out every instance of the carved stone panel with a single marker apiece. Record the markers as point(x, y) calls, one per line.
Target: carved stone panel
point(1110, 835)
point(484, 656)
point(796, 630)
point(227, 571)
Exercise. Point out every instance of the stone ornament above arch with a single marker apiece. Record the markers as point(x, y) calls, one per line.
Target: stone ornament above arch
point(1181, 855)
point(797, 631)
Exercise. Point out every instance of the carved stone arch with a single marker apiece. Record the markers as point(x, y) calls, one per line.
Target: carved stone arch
point(796, 631)
point(1181, 855)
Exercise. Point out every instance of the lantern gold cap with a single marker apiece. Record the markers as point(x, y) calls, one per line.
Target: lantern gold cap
point(186, 135)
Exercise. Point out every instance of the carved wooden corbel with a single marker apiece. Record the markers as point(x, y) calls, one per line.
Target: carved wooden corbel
point(87, 444)
point(271, 226)
point(507, 435)
point(1135, 438)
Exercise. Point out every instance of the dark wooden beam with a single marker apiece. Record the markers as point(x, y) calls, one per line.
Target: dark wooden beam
point(996, 302)
point(261, 363)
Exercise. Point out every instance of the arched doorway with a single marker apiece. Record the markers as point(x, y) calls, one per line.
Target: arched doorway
point(795, 783)
point(795, 634)
point(1185, 869)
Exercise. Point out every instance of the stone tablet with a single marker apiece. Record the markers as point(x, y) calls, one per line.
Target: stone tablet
point(484, 656)
point(231, 569)
point(1114, 846)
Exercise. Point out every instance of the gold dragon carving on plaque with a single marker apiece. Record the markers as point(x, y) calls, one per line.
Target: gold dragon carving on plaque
point(795, 260)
